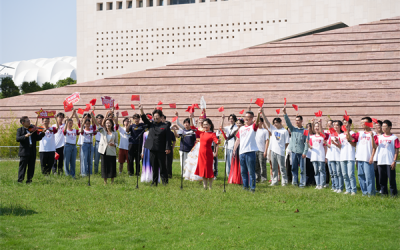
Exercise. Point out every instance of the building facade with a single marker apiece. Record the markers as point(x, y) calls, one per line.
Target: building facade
point(116, 37)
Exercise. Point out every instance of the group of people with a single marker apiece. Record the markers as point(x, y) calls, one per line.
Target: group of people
point(250, 142)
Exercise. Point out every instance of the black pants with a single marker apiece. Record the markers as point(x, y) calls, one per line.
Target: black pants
point(170, 158)
point(288, 169)
point(46, 161)
point(134, 152)
point(157, 161)
point(215, 164)
point(310, 174)
point(377, 185)
point(27, 161)
point(59, 164)
point(327, 175)
point(386, 172)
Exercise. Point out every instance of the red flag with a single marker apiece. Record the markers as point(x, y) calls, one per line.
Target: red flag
point(189, 109)
point(80, 111)
point(124, 113)
point(172, 105)
point(196, 106)
point(116, 106)
point(135, 98)
point(93, 102)
point(285, 101)
point(369, 124)
point(259, 102)
point(68, 106)
point(295, 107)
point(223, 133)
point(344, 128)
point(159, 103)
point(88, 107)
point(333, 132)
point(132, 106)
point(278, 111)
point(107, 106)
point(305, 132)
point(375, 120)
point(241, 112)
point(56, 156)
point(150, 117)
point(318, 114)
point(221, 109)
point(159, 108)
point(174, 118)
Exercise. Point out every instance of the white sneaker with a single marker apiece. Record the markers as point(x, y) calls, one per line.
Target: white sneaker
point(318, 187)
point(353, 193)
point(326, 185)
point(284, 184)
point(346, 192)
point(338, 191)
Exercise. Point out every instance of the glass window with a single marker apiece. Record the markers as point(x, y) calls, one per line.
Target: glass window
point(151, 3)
point(173, 2)
point(161, 2)
point(130, 5)
point(141, 4)
point(110, 6)
point(120, 5)
point(100, 6)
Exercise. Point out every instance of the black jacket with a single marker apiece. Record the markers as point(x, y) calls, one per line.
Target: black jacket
point(24, 141)
point(159, 138)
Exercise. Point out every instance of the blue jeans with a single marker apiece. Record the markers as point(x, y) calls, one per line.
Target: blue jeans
point(332, 172)
point(69, 159)
point(339, 176)
point(319, 169)
point(96, 155)
point(366, 177)
point(349, 176)
point(296, 161)
point(228, 160)
point(86, 158)
point(248, 165)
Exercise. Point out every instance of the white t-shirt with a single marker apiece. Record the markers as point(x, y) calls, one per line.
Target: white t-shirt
point(318, 150)
point(123, 139)
point(48, 142)
point(334, 151)
point(81, 139)
point(59, 136)
point(247, 135)
point(279, 139)
point(98, 135)
point(386, 148)
point(262, 136)
point(347, 152)
point(70, 135)
point(87, 135)
point(228, 131)
point(364, 146)
point(376, 151)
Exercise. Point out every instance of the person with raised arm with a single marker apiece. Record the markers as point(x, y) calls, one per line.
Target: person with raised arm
point(228, 130)
point(279, 142)
point(136, 130)
point(378, 131)
point(235, 176)
point(86, 135)
point(159, 144)
point(70, 151)
point(124, 136)
point(96, 154)
point(58, 167)
point(298, 148)
point(47, 146)
point(334, 160)
point(347, 158)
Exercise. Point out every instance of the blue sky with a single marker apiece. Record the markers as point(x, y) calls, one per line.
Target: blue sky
point(31, 29)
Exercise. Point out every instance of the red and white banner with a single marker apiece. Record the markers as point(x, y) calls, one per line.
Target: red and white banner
point(107, 100)
point(46, 114)
point(74, 98)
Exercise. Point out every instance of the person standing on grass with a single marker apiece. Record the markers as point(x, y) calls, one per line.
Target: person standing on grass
point(334, 161)
point(27, 149)
point(365, 150)
point(378, 131)
point(228, 130)
point(70, 135)
point(86, 134)
point(60, 141)
point(279, 143)
point(262, 140)
point(170, 157)
point(310, 174)
point(317, 144)
point(388, 150)
point(96, 154)
point(246, 139)
point(347, 158)
point(298, 148)
point(136, 133)
point(188, 139)
point(47, 146)
point(123, 144)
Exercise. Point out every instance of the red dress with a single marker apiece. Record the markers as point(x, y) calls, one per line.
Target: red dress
point(206, 155)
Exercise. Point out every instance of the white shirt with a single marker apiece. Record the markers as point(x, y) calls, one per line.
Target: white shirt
point(386, 148)
point(279, 139)
point(262, 136)
point(247, 135)
point(87, 135)
point(347, 152)
point(228, 131)
point(48, 142)
point(376, 151)
point(318, 150)
point(334, 151)
point(59, 136)
point(98, 135)
point(81, 138)
point(364, 146)
point(70, 135)
point(123, 139)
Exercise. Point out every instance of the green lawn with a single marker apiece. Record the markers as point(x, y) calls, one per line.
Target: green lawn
point(60, 213)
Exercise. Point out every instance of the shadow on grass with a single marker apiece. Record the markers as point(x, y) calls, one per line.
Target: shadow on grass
point(15, 210)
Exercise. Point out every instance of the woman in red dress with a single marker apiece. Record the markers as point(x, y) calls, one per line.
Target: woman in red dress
point(206, 155)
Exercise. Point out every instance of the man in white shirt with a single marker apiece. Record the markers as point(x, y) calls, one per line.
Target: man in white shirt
point(47, 146)
point(229, 145)
point(60, 141)
point(262, 140)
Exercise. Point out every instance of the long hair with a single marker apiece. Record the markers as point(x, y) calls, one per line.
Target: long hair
point(340, 123)
point(112, 124)
point(211, 124)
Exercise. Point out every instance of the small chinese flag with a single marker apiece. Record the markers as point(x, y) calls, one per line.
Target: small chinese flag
point(124, 113)
point(318, 114)
point(189, 109)
point(150, 117)
point(305, 132)
point(107, 106)
point(132, 106)
point(159, 103)
point(56, 156)
point(196, 106)
point(333, 132)
point(278, 111)
point(344, 128)
point(221, 109)
point(93, 102)
point(295, 107)
point(159, 108)
point(375, 120)
point(80, 111)
point(285, 101)
point(241, 112)
point(135, 98)
point(87, 107)
point(369, 124)
point(116, 106)
point(259, 102)
point(172, 105)
point(174, 118)
point(346, 117)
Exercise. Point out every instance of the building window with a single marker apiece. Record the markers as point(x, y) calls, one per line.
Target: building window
point(139, 3)
point(119, 5)
point(174, 2)
point(99, 6)
point(109, 6)
point(161, 3)
point(129, 6)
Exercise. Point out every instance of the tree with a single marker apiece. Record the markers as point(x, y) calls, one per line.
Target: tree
point(65, 82)
point(30, 87)
point(8, 88)
point(48, 85)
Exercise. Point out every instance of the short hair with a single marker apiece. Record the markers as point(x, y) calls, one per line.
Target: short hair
point(159, 112)
point(110, 114)
point(187, 120)
point(22, 119)
point(44, 118)
point(112, 124)
point(100, 116)
point(387, 122)
point(300, 117)
point(136, 116)
point(367, 118)
point(350, 121)
point(233, 117)
point(380, 122)
point(60, 114)
point(278, 120)
point(86, 120)
point(250, 112)
point(70, 120)
point(261, 119)
point(87, 115)
point(241, 121)
point(126, 119)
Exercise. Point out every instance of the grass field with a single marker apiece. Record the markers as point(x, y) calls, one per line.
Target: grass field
point(60, 213)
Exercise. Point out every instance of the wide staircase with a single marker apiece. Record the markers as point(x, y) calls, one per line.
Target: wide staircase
point(356, 69)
